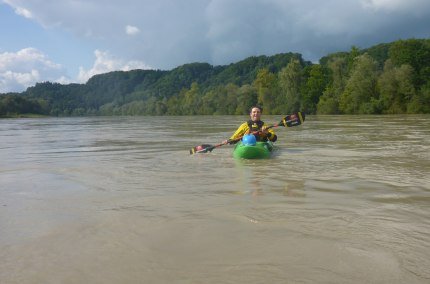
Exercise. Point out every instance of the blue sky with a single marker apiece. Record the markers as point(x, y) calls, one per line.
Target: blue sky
point(69, 41)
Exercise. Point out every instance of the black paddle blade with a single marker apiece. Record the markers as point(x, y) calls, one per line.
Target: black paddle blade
point(294, 119)
point(201, 149)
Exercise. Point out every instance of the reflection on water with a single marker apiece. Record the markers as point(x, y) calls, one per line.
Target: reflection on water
point(119, 200)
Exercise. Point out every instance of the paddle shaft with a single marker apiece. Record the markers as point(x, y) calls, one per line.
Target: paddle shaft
point(286, 123)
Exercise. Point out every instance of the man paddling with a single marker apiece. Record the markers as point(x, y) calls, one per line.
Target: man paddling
point(255, 126)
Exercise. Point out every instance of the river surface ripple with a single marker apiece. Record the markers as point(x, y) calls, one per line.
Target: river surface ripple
point(345, 199)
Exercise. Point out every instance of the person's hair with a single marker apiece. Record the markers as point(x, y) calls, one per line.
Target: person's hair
point(256, 106)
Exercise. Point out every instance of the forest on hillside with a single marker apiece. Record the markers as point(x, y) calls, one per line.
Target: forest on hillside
point(389, 78)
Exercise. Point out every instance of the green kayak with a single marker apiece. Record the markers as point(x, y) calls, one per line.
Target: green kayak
point(261, 150)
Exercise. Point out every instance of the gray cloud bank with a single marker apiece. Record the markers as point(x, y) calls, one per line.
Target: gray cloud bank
point(167, 33)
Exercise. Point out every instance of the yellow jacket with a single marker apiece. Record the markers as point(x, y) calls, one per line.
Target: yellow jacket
point(250, 126)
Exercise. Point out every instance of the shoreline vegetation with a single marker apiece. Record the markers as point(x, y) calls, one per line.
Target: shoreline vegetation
point(24, 115)
point(388, 78)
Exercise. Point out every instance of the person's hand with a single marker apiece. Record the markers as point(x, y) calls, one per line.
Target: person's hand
point(230, 141)
point(265, 130)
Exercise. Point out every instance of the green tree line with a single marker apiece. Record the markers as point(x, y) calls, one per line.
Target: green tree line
point(389, 78)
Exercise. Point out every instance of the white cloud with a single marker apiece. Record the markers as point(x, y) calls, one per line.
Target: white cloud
point(13, 81)
point(19, 10)
point(18, 70)
point(26, 67)
point(396, 5)
point(131, 30)
point(105, 62)
point(167, 33)
point(23, 12)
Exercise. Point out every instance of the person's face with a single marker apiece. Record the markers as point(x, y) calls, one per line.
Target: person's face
point(255, 114)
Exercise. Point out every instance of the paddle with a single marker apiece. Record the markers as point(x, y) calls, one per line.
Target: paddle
point(291, 120)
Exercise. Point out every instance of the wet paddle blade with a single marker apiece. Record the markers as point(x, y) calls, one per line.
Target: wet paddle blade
point(201, 149)
point(294, 119)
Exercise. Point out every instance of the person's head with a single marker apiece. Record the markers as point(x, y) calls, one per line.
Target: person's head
point(255, 113)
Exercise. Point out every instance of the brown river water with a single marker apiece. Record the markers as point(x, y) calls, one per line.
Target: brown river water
point(345, 199)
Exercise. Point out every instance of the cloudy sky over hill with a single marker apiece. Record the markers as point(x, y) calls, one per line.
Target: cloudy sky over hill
point(70, 40)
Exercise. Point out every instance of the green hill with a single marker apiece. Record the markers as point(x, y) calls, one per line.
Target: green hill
point(385, 78)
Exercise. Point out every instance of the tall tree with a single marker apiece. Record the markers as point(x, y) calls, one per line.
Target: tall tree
point(414, 52)
point(191, 100)
point(353, 53)
point(265, 84)
point(173, 106)
point(247, 97)
point(290, 80)
point(420, 103)
point(360, 93)
point(231, 91)
point(338, 73)
point(396, 87)
point(328, 102)
point(221, 100)
point(314, 88)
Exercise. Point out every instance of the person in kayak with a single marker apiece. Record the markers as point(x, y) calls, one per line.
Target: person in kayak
point(253, 126)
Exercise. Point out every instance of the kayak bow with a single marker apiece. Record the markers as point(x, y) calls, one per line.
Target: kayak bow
point(261, 150)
